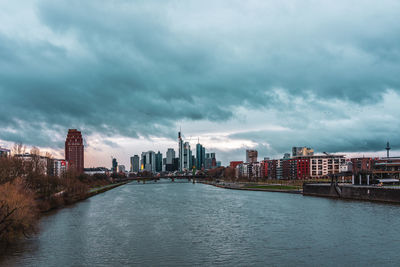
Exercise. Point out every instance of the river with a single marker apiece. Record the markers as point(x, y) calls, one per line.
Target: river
point(185, 224)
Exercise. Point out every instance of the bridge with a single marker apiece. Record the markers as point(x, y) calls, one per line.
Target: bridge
point(172, 178)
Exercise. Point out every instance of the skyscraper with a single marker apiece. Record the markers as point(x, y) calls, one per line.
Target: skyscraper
point(135, 163)
point(74, 150)
point(169, 161)
point(180, 151)
point(158, 162)
point(200, 156)
point(170, 156)
point(114, 167)
point(187, 157)
point(148, 161)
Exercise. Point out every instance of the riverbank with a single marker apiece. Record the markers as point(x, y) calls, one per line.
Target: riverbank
point(258, 187)
point(92, 192)
point(354, 192)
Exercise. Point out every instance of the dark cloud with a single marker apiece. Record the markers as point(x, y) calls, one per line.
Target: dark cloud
point(135, 68)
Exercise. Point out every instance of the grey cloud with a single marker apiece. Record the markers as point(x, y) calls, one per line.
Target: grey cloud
point(134, 68)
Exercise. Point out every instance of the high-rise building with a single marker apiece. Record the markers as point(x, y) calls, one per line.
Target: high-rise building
point(135, 163)
point(210, 161)
point(200, 156)
point(187, 157)
point(74, 150)
point(114, 167)
point(169, 161)
point(170, 156)
point(302, 151)
point(148, 161)
point(121, 168)
point(159, 159)
point(180, 149)
point(251, 156)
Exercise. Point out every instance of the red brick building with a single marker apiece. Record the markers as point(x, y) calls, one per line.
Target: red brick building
point(361, 164)
point(303, 168)
point(74, 150)
point(233, 164)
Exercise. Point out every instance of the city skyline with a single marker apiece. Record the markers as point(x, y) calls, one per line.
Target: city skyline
point(269, 76)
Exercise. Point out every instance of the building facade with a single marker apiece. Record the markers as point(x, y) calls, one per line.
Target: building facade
point(148, 161)
point(135, 164)
point(251, 156)
point(159, 162)
point(302, 151)
point(200, 157)
point(74, 150)
point(4, 152)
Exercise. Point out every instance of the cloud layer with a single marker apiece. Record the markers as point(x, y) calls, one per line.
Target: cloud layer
point(140, 68)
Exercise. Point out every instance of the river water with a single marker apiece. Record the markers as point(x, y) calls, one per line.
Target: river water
point(185, 224)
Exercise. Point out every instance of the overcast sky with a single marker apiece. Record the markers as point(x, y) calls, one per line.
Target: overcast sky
point(236, 74)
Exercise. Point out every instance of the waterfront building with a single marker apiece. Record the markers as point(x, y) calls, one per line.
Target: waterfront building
point(148, 161)
point(302, 151)
point(135, 164)
point(250, 171)
point(388, 167)
point(233, 164)
point(362, 164)
point(322, 165)
point(74, 150)
point(158, 162)
point(251, 156)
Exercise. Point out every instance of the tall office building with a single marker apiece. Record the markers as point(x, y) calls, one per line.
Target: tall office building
point(169, 160)
point(114, 167)
point(159, 162)
point(187, 157)
point(135, 163)
point(200, 156)
point(148, 161)
point(210, 161)
point(251, 156)
point(170, 156)
point(180, 151)
point(74, 150)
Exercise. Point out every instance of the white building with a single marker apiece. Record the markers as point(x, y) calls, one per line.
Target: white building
point(322, 165)
point(60, 166)
point(98, 170)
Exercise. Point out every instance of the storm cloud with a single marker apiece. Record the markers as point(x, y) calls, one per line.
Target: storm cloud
point(141, 68)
